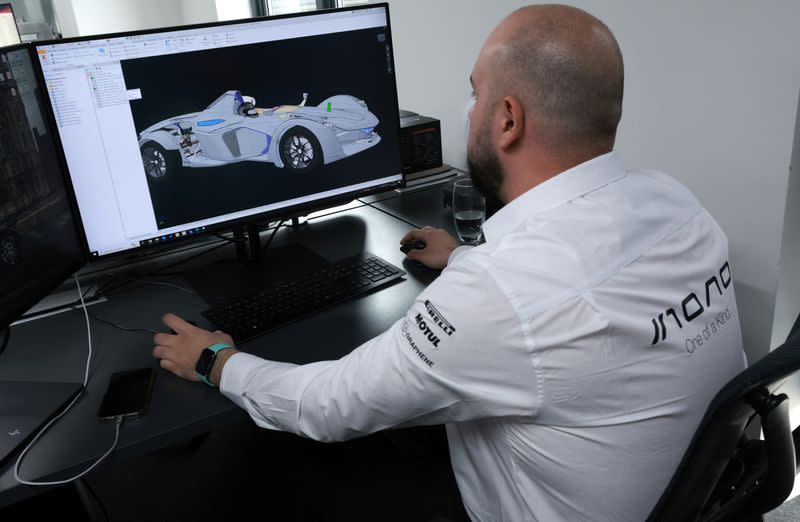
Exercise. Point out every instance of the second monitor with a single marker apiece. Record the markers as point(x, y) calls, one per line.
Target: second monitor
point(172, 133)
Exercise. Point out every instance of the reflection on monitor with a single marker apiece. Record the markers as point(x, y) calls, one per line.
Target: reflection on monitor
point(40, 244)
point(8, 26)
point(171, 133)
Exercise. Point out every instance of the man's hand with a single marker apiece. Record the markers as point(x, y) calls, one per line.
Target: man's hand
point(179, 353)
point(438, 246)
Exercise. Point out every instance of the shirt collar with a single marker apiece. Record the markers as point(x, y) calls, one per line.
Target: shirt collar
point(563, 187)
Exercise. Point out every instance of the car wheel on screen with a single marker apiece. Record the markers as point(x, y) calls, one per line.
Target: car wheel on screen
point(10, 248)
point(158, 162)
point(300, 150)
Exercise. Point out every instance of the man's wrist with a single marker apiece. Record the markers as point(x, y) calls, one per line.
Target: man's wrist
point(215, 375)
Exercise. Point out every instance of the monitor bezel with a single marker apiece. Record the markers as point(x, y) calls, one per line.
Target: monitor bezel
point(14, 16)
point(17, 309)
point(296, 210)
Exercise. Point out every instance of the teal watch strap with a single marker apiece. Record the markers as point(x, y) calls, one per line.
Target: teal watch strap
point(214, 348)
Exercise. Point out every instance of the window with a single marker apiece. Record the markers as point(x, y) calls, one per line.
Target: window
point(277, 7)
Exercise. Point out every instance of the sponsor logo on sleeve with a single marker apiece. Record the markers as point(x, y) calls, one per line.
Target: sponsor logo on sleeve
point(438, 319)
point(426, 330)
point(413, 345)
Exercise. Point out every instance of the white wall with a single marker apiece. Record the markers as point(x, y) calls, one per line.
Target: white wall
point(234, 9)
point(198, 11)
point(710, 97)
point(103, 16)
point(87, 17)
point(787, 302)
point(66, 18)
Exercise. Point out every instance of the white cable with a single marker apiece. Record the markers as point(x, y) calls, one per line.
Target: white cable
point(162, 284)
point(65, 410)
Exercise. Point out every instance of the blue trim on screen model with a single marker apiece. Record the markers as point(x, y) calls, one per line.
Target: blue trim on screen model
point(209, 123)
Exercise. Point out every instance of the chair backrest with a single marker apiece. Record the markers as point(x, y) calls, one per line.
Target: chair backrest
point(721, 472)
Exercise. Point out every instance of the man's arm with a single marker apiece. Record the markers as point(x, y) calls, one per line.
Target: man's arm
point(460, 353)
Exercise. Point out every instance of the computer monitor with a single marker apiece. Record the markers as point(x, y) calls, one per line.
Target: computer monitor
point(177, 132)
point(40, 241)
point(8, 26)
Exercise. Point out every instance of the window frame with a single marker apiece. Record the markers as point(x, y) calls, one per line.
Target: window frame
point(261, 7)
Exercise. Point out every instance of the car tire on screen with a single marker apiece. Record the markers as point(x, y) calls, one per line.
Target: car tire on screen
point(158, 162)
point(300, 150)
point(10, 247)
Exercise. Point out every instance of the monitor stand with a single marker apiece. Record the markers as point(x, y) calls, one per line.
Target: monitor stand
point(253, 269)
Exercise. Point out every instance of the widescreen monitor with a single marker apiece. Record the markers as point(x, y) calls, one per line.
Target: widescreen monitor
point(173, 133)
point(8, 26)
point(40, 240)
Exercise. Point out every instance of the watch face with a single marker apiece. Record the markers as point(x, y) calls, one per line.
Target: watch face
point(203, 366)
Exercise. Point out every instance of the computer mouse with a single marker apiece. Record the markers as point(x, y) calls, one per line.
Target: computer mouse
point(414, 244)
point(173, 332)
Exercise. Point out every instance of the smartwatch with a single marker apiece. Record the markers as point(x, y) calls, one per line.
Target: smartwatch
point(206, 361)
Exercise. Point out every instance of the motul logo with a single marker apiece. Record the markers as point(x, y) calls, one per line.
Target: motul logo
point(426, 330)
point(691, 306)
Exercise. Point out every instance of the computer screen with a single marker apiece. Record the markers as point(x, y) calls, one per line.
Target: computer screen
point(8, 26)
point(176, 132)
point(40, 241)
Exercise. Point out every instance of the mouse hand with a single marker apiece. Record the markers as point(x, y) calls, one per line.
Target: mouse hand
point(179, 353)
point(438, 246)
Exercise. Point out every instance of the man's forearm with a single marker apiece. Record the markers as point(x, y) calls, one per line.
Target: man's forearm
point(219, 364)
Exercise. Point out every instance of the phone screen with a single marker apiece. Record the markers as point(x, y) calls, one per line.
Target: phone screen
point(128, 394)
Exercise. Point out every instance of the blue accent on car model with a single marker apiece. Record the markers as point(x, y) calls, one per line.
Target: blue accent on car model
point(239, 98)
point(266, 149)
point(209, 123)
point(368, 130)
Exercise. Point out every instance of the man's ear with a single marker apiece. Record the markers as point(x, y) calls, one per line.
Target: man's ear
point(511, 121)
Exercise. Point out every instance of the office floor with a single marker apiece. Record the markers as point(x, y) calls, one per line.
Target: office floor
point(789, 512)
point(242, 471)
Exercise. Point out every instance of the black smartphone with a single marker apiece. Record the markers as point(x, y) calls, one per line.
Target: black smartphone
point(128, 394)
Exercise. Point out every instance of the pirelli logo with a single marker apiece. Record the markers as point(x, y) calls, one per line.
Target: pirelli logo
point(439, 320)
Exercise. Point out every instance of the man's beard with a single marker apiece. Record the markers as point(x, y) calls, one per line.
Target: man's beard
point(486, 172)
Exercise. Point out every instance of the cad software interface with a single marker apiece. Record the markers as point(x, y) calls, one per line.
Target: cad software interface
point(168, 133)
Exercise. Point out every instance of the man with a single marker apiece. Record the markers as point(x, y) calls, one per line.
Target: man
point(574, 353)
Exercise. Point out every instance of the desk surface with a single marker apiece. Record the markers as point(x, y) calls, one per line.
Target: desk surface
point(423, 207)
point(55, 348)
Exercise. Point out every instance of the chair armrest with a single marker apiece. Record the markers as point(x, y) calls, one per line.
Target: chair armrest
point(781, 455)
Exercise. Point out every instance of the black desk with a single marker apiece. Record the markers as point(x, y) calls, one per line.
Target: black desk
point(55, 348)
point(422, 207)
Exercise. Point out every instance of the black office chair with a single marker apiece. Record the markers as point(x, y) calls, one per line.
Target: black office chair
point(725, 476)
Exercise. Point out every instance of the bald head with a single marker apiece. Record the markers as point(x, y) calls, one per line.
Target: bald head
point(565, 67)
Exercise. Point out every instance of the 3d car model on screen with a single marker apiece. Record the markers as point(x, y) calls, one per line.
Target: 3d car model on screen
point(232, 129)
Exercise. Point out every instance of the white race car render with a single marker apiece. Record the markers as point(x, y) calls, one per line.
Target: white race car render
point(232, 129)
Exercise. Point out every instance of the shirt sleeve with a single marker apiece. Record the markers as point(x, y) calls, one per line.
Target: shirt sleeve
point(460, 353)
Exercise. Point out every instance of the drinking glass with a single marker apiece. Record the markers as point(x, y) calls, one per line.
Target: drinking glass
point(469, 211)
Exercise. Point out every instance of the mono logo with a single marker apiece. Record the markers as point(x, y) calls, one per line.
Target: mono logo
point(691, 306)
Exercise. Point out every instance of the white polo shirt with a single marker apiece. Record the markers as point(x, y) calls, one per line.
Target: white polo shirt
point(571, 356)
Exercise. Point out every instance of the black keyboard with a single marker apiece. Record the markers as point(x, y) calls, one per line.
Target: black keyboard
point(269, 309)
